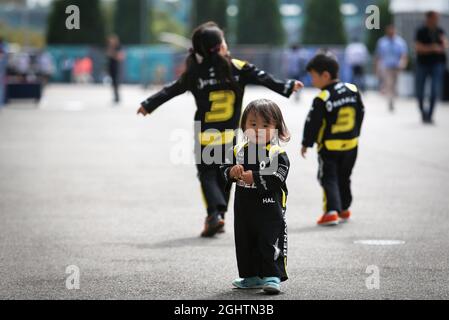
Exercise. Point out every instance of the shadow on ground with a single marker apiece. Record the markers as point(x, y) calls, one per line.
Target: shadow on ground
point(177, 243)
point(249, 294)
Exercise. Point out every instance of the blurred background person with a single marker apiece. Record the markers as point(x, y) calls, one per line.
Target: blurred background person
point(431, 43)
point(115, 56)
point(66, 69)
point(296, 65)
point(391, 57)
point(82, 70)
point(356, 56)
point(45, 66)
point(23, 65)
point(2, 71)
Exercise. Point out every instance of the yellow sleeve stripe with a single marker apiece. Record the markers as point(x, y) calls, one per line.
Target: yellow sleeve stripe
point(239, 64)
point(284, 199)
point(321, 134)
point(274, 149)
point(324, 95)
point(239, 147)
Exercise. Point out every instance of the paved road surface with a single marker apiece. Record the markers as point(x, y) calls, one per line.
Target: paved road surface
point(86, 184)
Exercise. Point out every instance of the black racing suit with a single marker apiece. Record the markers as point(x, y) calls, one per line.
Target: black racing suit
point(259, 211)
point(334, 123)
point(218, 113)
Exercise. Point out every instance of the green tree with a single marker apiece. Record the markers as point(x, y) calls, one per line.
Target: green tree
point(259, 22)
point(130, 21)
point(386, 18)
point(163, 22)
point(323, 23)
point(22, 36)
point(92, 27)
point(209, 10)
point(107, 7)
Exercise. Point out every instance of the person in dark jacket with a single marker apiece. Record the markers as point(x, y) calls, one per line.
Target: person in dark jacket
point(115, 56)
point(431, 46)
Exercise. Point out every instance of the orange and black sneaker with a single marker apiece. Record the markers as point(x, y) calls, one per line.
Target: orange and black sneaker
point(212, 225)
point(328, 219)
point(344, 215)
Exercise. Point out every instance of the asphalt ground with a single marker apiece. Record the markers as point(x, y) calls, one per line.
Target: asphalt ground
point(84, 183)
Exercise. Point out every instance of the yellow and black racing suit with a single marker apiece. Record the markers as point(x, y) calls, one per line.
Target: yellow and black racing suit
point(217, 116)
point(334, 123)
point(259, 210)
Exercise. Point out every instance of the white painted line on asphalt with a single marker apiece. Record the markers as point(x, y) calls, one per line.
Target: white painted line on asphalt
point(380, 242)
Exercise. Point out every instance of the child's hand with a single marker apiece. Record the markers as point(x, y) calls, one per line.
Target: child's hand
point(298, 85)
point(236, 172)
point(142, 111)
point(304, 152)
point(247, 177)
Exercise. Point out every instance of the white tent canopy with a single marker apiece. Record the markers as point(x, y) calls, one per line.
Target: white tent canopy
point(403, 6)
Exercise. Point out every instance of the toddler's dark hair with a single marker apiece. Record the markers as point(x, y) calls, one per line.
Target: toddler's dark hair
point(324, 62)
point(206, 42)
point(271, 113)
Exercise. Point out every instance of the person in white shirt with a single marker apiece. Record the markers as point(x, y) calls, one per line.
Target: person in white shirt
point(356, 56)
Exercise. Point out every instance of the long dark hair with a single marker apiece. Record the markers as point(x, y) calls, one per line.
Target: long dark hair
point(206, 41)
point(271, 113)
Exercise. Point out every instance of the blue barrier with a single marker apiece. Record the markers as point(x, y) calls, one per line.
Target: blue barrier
point(143, 64)
point(158, 64)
